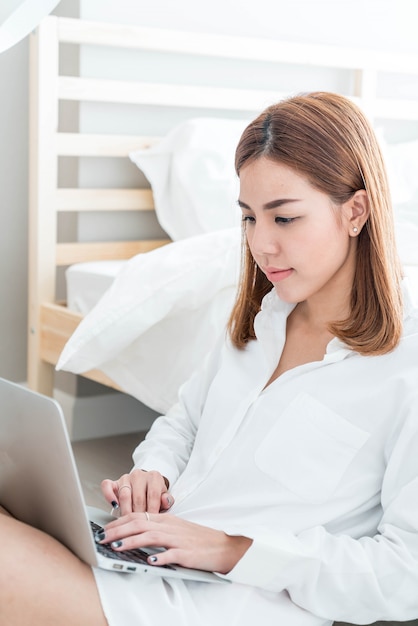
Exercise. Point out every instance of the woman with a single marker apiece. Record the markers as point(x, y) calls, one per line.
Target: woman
point(289, 464)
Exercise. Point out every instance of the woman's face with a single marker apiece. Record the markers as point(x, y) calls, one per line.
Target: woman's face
point(297, 238)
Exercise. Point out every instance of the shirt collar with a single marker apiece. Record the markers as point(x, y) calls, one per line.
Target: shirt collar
point(270, 325)
point(270, 330)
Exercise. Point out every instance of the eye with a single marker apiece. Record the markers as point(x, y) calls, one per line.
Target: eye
point(285, 220)
point(249, 219)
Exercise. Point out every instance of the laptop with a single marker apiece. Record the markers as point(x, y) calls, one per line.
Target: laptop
point(39, 485)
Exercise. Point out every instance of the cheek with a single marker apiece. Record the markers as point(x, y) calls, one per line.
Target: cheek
point(330, 236)
point(322, 246)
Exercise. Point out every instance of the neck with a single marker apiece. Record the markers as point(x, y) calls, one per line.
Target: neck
point(324, 308)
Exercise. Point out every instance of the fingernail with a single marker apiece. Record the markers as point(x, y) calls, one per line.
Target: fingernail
point(169, 501)
point(99, 536)
point(115, 510)
point(116, 544)
point(153, 559)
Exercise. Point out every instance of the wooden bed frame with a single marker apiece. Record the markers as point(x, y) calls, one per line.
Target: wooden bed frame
point(50, 322)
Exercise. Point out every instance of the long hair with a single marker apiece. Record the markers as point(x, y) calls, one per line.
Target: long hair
point(328, 140)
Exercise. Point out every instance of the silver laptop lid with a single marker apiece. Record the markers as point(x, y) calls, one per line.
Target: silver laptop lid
point(39, 483)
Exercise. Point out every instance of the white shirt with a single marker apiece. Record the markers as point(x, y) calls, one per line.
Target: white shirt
point(320, 469)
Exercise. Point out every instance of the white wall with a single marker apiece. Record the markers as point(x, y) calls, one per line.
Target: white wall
point(376, 24)
point(13, 211)
point(14, 204)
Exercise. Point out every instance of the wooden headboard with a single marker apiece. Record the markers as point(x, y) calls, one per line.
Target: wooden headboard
point(354, 72)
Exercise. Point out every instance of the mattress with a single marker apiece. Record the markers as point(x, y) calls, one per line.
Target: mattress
point(87, 282)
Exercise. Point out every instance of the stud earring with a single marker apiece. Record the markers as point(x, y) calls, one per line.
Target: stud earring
point(355, 229)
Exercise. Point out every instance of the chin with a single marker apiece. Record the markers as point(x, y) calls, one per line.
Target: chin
point(290, 298)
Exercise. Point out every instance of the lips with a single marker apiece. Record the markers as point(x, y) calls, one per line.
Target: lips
point(275, 275)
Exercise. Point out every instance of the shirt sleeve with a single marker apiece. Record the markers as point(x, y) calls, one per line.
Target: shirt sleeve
point(168, 444)
point(359, 580)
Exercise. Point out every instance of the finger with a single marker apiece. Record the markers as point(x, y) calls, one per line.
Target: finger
point(139, 480)
point(155, 488)
point(129, 529)
point(110, 492)
point(120, 541)
point(167, 501)
point(125, 493)
point(167, 557)
point(147, 490)
point(130, 542)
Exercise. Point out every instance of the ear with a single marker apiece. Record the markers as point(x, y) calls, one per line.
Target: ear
point(357, 211)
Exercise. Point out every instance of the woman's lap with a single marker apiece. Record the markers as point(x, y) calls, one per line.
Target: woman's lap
point(41, 579)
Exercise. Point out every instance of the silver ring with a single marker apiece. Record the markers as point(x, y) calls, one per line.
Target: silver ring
point(146, 516)
point(125, 487)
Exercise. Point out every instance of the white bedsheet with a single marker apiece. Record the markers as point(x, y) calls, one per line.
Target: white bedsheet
point(87, 282)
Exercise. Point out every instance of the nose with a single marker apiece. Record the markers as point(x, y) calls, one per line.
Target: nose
point(262, 239)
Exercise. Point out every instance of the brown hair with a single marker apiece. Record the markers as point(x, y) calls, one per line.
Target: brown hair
point(327, 139)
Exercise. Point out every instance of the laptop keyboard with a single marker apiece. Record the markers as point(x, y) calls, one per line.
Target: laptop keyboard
point(133, 556)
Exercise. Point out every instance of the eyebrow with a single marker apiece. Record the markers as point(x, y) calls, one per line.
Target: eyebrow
point(273, 204)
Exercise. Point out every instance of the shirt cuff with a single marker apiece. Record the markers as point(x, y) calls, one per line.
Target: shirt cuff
point(265, 562)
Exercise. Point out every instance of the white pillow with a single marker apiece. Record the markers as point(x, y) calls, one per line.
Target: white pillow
point(159, 318)
point(191, 172)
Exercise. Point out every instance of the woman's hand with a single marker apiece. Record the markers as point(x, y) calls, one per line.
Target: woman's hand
point(138, 491)
point(187, 544)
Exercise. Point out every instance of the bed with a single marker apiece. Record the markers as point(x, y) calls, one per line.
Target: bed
point(137, 304)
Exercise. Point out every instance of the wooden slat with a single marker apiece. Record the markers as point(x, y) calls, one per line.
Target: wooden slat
point(104, 200)
point(123, 92)
point(73, 144)
point(233, 47)
point(43, 124)
point(60, 319)
point(68, 253)
point(197, 44)
point(57, 325)
point(205, 97)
